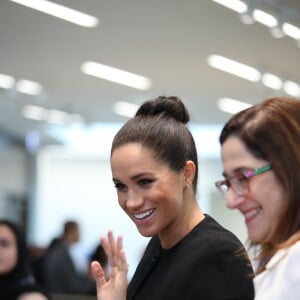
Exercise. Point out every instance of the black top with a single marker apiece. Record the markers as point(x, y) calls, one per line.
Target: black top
point(209, 263)
point(23, 285)
point(60, 274)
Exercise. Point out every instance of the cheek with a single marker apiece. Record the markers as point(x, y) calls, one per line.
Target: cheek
point(13, 262)
point(271, 196)
point(278, 203)
point(121, 201)
point(10, 260)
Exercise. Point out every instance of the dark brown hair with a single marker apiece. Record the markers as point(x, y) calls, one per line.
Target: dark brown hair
point(160, 125)
point(69, 226)
point(271, 131)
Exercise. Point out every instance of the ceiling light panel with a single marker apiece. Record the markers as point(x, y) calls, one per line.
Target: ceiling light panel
point(233, 67)
point(34, 112)
point(236, 5)
point(57, 117)
point(52, 116)
point(232, 106)
point(272, 81)
point(291, 30)
point(125, 109)
point(292, 88)
point(116, 75)
point(28, 87)
point(264, 18)
point(61, 12)
point(6, 81)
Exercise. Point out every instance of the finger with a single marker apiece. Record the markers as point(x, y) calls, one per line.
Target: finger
point(122, 262)
point(98, 274)
point(113, 248)
point(107, 249)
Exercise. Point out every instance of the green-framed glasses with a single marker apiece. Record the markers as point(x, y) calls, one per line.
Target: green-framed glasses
point(240, 182)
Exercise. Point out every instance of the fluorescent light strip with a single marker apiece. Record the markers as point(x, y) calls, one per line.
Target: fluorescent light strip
point(264, 18)
point(269, 80)
point(57, 117)
point(247, 19)
point(291, 30)
point(232, 106)
point(292, 88)
point(28, 87)
point(116, 75)
point(233, 67)
point(272, 81)
point(236, 5)
point(6, 81)
point(62, 12)
point(277, 32)
point(125, 109)
point(34, 112)
point(52, 116)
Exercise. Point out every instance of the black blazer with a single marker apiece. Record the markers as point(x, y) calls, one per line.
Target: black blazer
point(209, 263)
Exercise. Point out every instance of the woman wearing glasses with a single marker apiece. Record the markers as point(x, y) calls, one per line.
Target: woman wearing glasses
point(260, 149)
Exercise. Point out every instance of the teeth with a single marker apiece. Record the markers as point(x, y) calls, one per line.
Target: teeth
point(252, 213)
point(144, 214)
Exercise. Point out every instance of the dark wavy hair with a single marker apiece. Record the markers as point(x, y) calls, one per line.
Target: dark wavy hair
point(160, 125)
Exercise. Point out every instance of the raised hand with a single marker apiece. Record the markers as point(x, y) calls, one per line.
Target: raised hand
point(115, 287)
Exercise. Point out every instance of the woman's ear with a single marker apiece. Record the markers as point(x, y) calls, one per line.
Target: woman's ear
point(189, 172)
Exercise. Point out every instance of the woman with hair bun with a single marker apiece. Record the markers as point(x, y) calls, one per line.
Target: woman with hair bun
point(190, 256)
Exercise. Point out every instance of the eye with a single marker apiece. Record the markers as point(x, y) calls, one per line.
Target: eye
point(241, 178)
point(5, 243)
point(120, 186)
point(145, 182)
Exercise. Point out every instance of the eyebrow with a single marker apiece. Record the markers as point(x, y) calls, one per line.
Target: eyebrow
point(135, 177)
point(235, 171)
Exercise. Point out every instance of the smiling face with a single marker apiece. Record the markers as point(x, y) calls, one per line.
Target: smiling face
point(264, 203)
point(149, 191)
point(8, 249)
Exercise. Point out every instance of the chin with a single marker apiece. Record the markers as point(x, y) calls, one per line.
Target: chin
point(146, 233)
point(255, 238)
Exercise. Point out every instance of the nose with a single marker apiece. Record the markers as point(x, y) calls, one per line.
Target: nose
point(233, 200)
point(134, 200)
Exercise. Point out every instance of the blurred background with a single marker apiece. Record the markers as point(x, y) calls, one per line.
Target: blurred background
point(69, 81)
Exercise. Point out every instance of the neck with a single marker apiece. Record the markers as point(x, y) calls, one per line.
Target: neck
point(182, 226)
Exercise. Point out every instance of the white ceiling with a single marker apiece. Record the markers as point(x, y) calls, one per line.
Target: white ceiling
point(167, 41)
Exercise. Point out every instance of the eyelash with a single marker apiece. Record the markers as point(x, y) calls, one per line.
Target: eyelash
point(144, 183)
point(120, 187)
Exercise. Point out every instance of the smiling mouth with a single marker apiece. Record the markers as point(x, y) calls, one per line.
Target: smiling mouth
point(144, 214)
point(251, 214)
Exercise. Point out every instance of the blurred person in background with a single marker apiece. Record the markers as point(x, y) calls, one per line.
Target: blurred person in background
point(100, 256)
point(60, 273)
point(16, 278)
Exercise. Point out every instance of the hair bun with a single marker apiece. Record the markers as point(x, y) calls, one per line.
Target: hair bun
point(168, 106)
